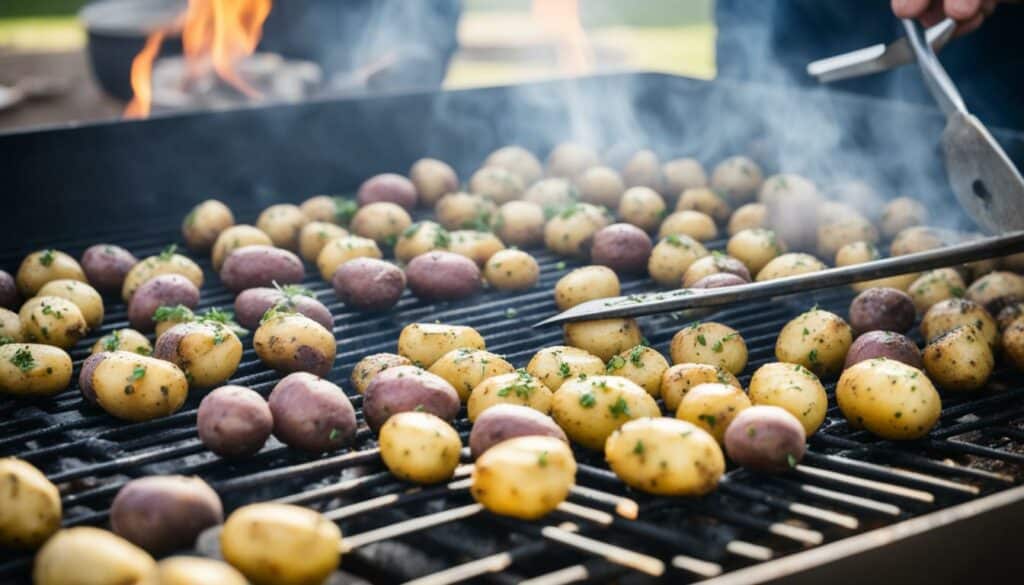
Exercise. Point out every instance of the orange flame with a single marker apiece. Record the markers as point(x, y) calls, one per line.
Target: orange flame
point(142, 77)
point(561, 19)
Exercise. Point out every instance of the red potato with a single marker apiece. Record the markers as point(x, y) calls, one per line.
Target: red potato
point(881, 308)
point(622, 247)
point(164, 513)
point(106, 266)
point(166, 290)
point(251, 304)
point(507, 421)
point(234, 421)
point(766, 438)
point(9, 297)
point(443, 276)
point(405, 388)
point(369, 284)
point(719, 280)
point(884, 344)
point(388, 187)
point(311, 413)
point(256, 266)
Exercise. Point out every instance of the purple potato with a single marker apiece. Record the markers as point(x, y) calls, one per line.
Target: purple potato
point(85, 376)
point(622, 247)
point(730, 265)
point(368, 284)
point(106, 266)
point(443, 276)
point(882, 308)
point(165, 513)
point(251, 304)
point(388, 187)
point(9, 297)
point(719, 280)
point(884, 344)
point(234, 421)
point(405, 388)
point(765, 438)
point(164, 290)
point(256, 266)
point(311, 413)
point(507, 421)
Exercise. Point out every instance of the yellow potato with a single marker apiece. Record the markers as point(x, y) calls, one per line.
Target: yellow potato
point(339, 251)
point(167, 262)
point(716, 263)
point(902, 213)
point(30, 509)
point(208, 352)
point(710, 343)
point(367, 369)
point(949, 314)
point(683, 173)
point(959, 360)
point(552, 193)
point(681, 378)
point(817, 340)
point(793, 388)
point(737, 178)
point(749, 216)
point(433, 179)
point(790, 264)
point(381, 222)
point(665, 456)
point(920, 238)
point(590, 409)
point(570, 231)
point(642, 207)
point(166, 317)
point(282, 223)
point(643, 169)
point(934, 286)
point(235, 237)
point(419, 447)
point(569, 159)
point(53, 321)
point(554, 365)
point(847, 228)
point(420, 238)
point(519, 223)
point(754, 247)
point(518, 387)
point(11, 330)
point(39, 268)
point(888, 398)
point(477, 246)
point(712, 407)
point(705, 201)
point(204, 223)
point(134, 387)
point(694, 224)
point(512, 270)
point(85, 297)
point(315, 235)
point(586, 284)
point(193, 571)
point(601, 186)
point(524, 477)
point(603, 337)
point(89, 556)
point(861, 252)
point(30, 369)
point(642, 365)
point(123, 340)
point(497, 184)
point(292, 342)
point(465, 368)
point(464, 211)
point(425, 343)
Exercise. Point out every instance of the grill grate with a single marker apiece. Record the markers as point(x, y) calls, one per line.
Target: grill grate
point(849, 482)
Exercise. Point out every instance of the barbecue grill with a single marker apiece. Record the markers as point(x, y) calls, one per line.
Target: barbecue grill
point(857, 509)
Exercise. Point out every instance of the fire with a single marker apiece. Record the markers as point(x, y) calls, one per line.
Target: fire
point(561, 19)
point(217, 33)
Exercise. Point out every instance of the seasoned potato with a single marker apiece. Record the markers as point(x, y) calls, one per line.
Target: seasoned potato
point(553, 193)
point(419, 447)
point(329, 209)
point(167, 262)
point(882, 309)
point(166, 317)
point(39, 268)
point(571, 230)
point(10, 327)
point(694, 224)
point(951, 313)
point(314, 236)
point(934, 286)
point(405, 389)
point(919, 239)
point(642, 207)
point(369, 284)
point(183, 570)
point(433, 179)
point(282, 222)
point(569, 159)
point(165, 290)
point(420, 238)
point(679, 379)
point(519, 223)
point(887, 344)
point(590, 409)
point(1013, 343)
point(444, 276)
point(959, 359)
point(747, 217)
point(666, 457)
point(706, 201)
point(234, 238)
point(902, 213)
point(234, 421)
point(208, 352)
point(465, 368)
point(497, 184)
point(425, 343)
point(601, 186)
point(712, 407)
point(790, 264)
point(993, 291)
point(622, 247)
point(464, 211)
point(710, 343)
point(643, 169)
point(766, 438)
point(85, 297)
point(671, 258)
point(518, 160)
point(388, 188)
point(715, 263)
point(861, 252)
point(793, 388)
point(817, 340)
point(738, 178)
point(311, 414)
point(586, 284)
point(204, 223)
point(785, 187)
point(251, 304)
point(9, 297)
point(512, 270)
point(53, 321)
point(164, 513)
point(367, 369)
point(846, 228)
point(502, 422)
point(554, 365)
point(106, 266)
point(339, 251)
point(642, 365)
point(84, 555)
point(290, 342)
point(133, 387)
point(719, 280)
point(518, 387)
point(524, 477)
point(603, 337)
point(381, 222)
point(280, 544)
point(683, 173)
point(755, 248)
point(30, 509)
point(888, 398)
point(476, 245)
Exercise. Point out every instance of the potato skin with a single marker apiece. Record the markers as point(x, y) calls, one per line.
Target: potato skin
point(255, 266)
point(236, 237)
point(600, 185)
point(683, 173)
point(109, 558)
point(208, 352)
point(512, 270)
point(603, 337)
point(697, 225)
point(476, 245)
point(10, 327)
point(712, 264)
point(556, 364)
point(123, 340)
point(882, 309)
point(499, 479)
point(419, 447)
point(408, 388)
point(9, 297)
point(679, 379)
point(710, 343)
point(30, 369)
point(464, 210)
point(498, 184)
point(642, 365)
point(569, 159)
point(106, 265)
point(282, 223)
point(705, 201)
point(369, 284)
point(720, 280)
point(738, 178)
point(367, 369)
point(165, 263)
point(280, 544)
point(204, 223)
point(791, 264)
point(290, 342)
point(420, 238)
point(341, 250)
point(433, 179)
point(888, 398)
point(712, 407)
point(133, 387)
point(85, 297)
point(887, 344)
point(519, 223)
point(748, 216)
point(311, 414)
point(234, 421)
point(314, 236)
point(959, 360)
point(389, 188)
point(586, 284)
point(465, 368)
point(425, 343)
point(642, 207)
point(570, 232)
point(502, 422)
point(185, 570)
point(643, 169)
point(327, 209)
point(518, 387)
point(934, 286)
point(947, 315)
point(30, 508)
point(590, 409)
point(902, 213)
point(766, 438)
point(251, 304)
point(165, 290)
point(52, 320)
point(793, 388)
point(164, 513)
point(381, 222)
point(666, 457)
point(443, 276)
point(672, 257)
point(42, 266)
point(552, 193)
point(1013, 343)
point(822, 349)
point(621, 247)
point(996, 290)
point(755, 248)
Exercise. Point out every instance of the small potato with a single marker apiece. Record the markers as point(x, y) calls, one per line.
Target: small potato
point(10, 327)
point(39, 268)
point(519, 223)
point(642, 365)
point(861, 252)
point(433, 179)
point(381, 222)
point(53, 321)
point(747, 217)
point(388, 188)
point(902, 213)
point(993, 291)
point(920, 239)
point(850, 227)
point(518, 160)
point(672, 257)
point(603, 337)
point(167, 262)
point(30, 509)
point(591, 409)
point(601, 186)
point(256, 266)
point(569, 159)
point(282, 223)
point(679, 379)
point(518, 387)
point(817, 340)
point(369, 284)
point(512, 270)
point(475, 245)
point(85, 297)
point(165, 513)
point(642, 207)
point(795, 216)
point(110, 559)
point(311, 413)
point(464, 211)
point(419, 447)
point(887, 344)
point(755, 248)
point(947, 315)
point(166, 290)
point(710, 343)
point(712, 407)
point(314, 236)
point(643, 169)
point(367, 368)
point(1013, 343)
point(860, 195)
point(328, 209)
point(766, 438)
point(934, 286)
point(715, 263)
point(280, 544)
point(497, 184)
point(787, 187)
point(791, 387)
point(622, 247)
point(204, 223)
point(683, 173)
point(719, 281)
point(882, 309)
point(341, 250)
point(888, 398)
point(959, 360)
point(1009, 314)
point(133, 387)
point(406, 389)
point(106, 266)
point(664, 456)
point(791, 264)
point(184, 570)
point(290, 342)
point(166, 317)
point(706, 201)
point(443, 276)
point(420, 238)
point(9, 297)
point(694, 224)
point(738, 178)
point(554, 365)
point(498, 483)
point(236, 237)
point(253, 303)
point(465, 368)
point(234, 421)
point(425, 343)
point(208, 352)
point(586, 284)
point(553, 193)
point(571, 230)
point(502, 422)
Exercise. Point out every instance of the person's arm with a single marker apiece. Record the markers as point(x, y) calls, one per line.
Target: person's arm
point(969, 14)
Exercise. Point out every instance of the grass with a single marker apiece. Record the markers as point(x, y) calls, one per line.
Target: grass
point(42, 33)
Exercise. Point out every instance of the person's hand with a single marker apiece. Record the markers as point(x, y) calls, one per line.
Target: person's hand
point(969, 14)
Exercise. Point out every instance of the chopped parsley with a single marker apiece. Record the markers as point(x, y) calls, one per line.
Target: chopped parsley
point(617, 362)
point(710, 419)
point(638, 448)
point(276, 311)
point(112, 341)
point(619, 408)
point(46, 258)
point(588, 400)
point(717, 346)
point(701, 340)
point(442, 239)
point(563, 369)
point(168, 252)
point(522, 387)
point(177, 313)
point(344, 209)
point(49, 310)
point(335, 433)
point(636, 356)
point(138, 372)
point(560, 266)
point(812, 356)
point(23, 359)
point(510, 313)
point(5, 339)
point(791, 460)
point(542, 459)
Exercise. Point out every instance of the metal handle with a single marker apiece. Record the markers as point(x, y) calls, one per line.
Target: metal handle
point(938, 81)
